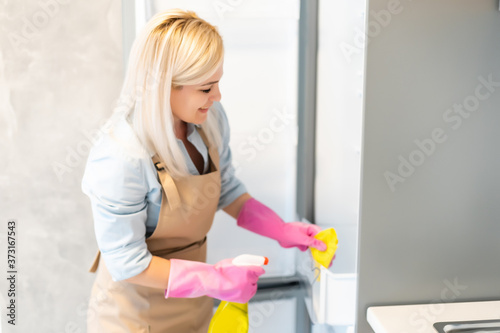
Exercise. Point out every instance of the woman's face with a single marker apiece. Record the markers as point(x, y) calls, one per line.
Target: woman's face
point(190, 103)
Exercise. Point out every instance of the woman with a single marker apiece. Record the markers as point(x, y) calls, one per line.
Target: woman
point(155, 182)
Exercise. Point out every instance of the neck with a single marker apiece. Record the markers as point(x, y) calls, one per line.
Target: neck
point(180, 129)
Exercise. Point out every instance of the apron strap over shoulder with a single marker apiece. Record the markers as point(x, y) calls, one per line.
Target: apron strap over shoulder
point(168, 183)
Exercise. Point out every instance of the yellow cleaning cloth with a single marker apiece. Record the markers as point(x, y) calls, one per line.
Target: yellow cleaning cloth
point(329, 236)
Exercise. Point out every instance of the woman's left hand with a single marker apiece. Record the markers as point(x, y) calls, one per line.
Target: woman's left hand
point(258, 218)
point(301, 235)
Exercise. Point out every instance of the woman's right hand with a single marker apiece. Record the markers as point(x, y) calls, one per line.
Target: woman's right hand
point(223, 280)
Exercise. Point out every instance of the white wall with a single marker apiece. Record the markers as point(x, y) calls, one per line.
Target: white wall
point(57, 83)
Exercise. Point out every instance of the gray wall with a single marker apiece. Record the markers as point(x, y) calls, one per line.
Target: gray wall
point(60, 74)
point(433, 236)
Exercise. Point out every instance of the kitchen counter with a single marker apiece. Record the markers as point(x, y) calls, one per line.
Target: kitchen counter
point(420, 318)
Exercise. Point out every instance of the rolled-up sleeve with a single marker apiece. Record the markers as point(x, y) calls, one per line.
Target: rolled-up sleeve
point(117, 190)
point(231, 186)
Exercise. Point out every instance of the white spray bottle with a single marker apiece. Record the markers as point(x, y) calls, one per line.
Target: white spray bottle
point(232, 317)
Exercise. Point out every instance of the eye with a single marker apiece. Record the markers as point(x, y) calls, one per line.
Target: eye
point(206, 91)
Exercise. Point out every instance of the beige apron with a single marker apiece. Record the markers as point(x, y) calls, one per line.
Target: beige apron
point(187, 210)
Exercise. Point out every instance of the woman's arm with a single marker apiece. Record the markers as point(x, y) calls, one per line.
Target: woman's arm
point(234, 207)
point(188, 279)
point(155, 275)
point(252, 215)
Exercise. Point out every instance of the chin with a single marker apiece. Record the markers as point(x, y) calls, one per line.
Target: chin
point(200, 118)
point(199, 121)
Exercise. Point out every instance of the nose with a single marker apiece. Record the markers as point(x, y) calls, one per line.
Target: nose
point(216, 95)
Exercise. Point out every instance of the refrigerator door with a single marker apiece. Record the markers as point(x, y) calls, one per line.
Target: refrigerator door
point(340, 77)
point(430, 190)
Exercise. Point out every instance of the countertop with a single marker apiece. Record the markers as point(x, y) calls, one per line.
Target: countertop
point(420, 318)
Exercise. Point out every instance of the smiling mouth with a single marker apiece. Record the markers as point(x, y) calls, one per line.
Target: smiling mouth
point(204, 110)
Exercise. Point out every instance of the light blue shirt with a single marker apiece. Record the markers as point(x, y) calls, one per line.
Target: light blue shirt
point(121, 181)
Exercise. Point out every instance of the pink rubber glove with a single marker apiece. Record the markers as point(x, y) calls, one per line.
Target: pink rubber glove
point(225, 281)
point(258, 218)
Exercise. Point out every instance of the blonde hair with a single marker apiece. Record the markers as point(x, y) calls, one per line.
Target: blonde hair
point(175, 48)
